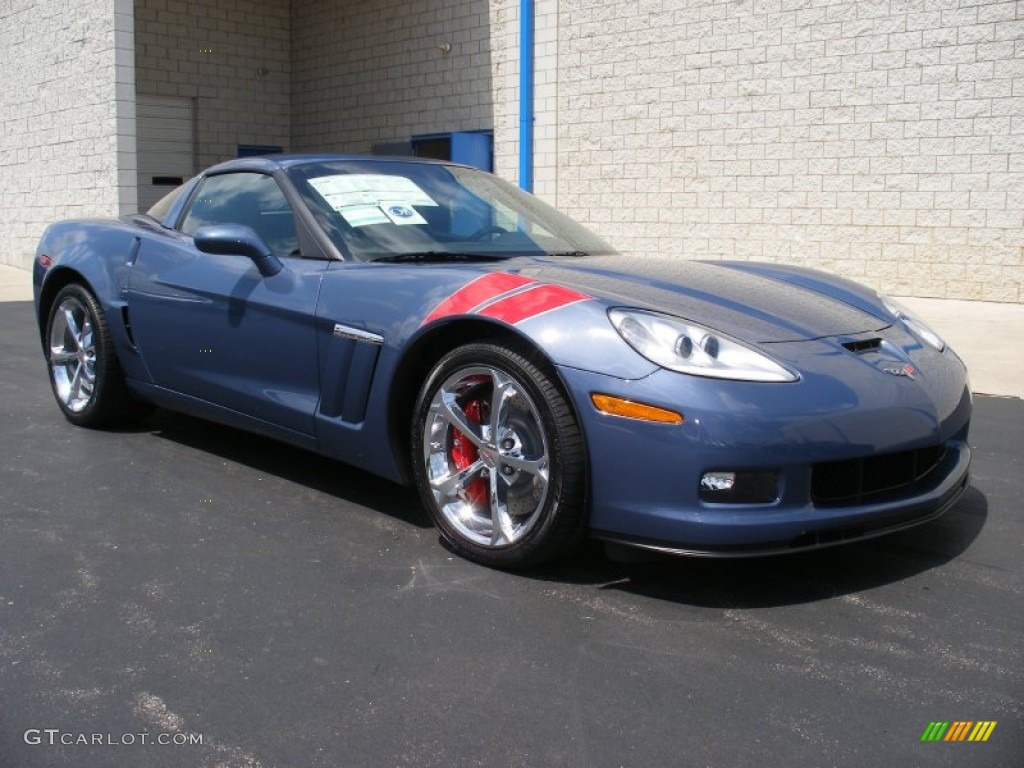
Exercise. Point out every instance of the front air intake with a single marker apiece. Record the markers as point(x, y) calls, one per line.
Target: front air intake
point(842, 483)
point(863, 345)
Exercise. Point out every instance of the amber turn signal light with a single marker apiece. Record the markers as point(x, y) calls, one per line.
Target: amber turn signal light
point(618, 406)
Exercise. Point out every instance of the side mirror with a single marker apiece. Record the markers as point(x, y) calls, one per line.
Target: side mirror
point(238, 240)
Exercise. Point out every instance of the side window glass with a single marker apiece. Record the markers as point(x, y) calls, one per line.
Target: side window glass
point(163, 206)
point(252, 199)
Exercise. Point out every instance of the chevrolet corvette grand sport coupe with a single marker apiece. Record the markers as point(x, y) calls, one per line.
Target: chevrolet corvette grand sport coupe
point(434, 325)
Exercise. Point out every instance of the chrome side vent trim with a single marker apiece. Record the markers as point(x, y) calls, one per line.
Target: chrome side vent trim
point(357, 334)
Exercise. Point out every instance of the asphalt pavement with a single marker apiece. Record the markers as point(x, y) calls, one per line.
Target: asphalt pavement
point(189, 582)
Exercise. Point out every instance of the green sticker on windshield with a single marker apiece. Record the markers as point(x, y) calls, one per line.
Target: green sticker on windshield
point(363, 215)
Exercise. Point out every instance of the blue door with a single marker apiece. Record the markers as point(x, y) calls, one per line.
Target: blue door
point(211, 327)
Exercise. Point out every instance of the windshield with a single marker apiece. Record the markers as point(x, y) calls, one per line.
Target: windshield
point(375, 209)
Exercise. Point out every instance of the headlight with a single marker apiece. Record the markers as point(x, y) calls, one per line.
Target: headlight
point(683, 346)
point(918, 326)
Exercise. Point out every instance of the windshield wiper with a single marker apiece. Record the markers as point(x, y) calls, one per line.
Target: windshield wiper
point(441, 256)
point(574, 254)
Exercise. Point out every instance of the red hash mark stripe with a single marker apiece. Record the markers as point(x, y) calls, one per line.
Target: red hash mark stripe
point(532, 302)
point(476, 292)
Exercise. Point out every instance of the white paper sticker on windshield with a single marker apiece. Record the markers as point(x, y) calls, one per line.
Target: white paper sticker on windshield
point(363, 215)
point(349, 189)
point(400, 213)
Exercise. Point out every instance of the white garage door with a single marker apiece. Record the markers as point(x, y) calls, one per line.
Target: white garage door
point(165, 134)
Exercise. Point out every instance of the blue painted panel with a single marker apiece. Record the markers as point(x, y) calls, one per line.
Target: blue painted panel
point(475, 149)
point(212, 328)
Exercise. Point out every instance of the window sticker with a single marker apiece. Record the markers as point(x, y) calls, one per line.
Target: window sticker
point(361, 189)
point(363, 215)
point(400, 213)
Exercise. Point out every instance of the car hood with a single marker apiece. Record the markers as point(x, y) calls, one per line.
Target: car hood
point(745, 305)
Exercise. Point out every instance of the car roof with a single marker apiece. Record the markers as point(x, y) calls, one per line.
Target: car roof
point(270, 163)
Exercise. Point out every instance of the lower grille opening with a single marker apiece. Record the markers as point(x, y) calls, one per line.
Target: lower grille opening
point(835, 483)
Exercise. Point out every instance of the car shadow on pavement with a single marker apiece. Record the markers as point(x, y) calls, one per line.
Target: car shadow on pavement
point(785, 579)
point(704, 582)
point(296, 465)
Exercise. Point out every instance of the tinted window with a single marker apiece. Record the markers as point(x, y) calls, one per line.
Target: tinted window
point(163, 206)
point(252, 199)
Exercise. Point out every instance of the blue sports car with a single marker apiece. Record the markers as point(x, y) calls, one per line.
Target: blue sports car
point(434, 325)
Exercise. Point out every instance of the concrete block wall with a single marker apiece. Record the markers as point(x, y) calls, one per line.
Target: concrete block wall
point(504, 27)
point(545, 100)
point(370, 72)
point(505, 55)
point(231, 56)
point(880, 139)
point(66, 117)
point(883, 140)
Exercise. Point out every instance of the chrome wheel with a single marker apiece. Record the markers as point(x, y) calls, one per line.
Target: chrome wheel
point(73, 354)
point(486, 456)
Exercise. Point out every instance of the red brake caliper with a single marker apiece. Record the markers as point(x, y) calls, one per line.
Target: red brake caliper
point(464, 453)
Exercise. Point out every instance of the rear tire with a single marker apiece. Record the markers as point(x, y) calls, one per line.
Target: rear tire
point(85, 374)
point(498, 458)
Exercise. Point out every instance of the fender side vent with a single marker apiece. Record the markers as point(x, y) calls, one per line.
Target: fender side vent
point(863, 345)
point(126, 319)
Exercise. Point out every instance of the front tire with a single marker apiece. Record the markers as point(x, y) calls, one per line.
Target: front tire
point(84, 371)
point(498, 458)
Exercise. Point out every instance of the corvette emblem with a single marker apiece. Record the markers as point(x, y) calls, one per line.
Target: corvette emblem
point(907, 370)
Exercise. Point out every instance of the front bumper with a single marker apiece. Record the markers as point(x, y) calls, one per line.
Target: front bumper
point(645, 477)
point(799, 533)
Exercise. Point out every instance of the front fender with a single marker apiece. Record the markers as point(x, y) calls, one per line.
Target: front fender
point(98, 255)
